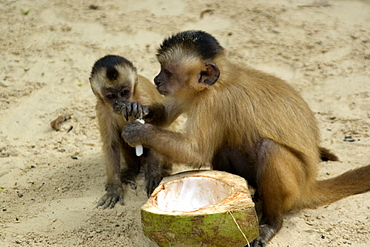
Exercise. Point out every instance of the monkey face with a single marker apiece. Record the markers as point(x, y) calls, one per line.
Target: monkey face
point(163, 82)
point(113, 80)
point(114, 96)
point(186, 77)
point(174, 80)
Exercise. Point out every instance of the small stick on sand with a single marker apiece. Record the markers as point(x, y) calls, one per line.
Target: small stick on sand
point(56, 123)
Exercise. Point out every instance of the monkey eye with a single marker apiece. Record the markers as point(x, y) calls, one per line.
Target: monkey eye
point(111, 96)
point(125, 93)
point(168, 74)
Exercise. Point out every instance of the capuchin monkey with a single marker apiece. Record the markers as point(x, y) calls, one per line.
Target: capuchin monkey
point(115, 82)
point(243, 121)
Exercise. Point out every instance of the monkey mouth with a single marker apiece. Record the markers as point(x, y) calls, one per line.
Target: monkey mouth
point(161, 91)
point(118, 106)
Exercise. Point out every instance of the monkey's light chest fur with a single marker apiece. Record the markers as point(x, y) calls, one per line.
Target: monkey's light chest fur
point(208, 208)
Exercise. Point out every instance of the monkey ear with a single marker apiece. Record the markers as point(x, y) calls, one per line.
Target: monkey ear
point(210, 75)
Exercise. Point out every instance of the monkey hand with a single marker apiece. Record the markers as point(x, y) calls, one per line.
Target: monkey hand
point(131, 109)
point(135, 133)
point(113, 195)
point(152, 181)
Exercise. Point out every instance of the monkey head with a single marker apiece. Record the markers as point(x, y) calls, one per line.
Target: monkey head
point(113, 79)
point(187, 63)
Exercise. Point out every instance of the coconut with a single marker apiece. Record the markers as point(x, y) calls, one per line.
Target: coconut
point(200, 208)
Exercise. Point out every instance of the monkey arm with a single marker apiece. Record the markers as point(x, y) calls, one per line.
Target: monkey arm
point(163, 113)
point(175, 146)
point(111, 150)
point(156, 114)
point(109, 134)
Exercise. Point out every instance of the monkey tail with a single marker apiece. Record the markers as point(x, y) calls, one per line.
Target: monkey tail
point(326, 155)
point(349, 183)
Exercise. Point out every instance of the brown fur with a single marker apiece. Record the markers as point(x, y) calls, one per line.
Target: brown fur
point(111, 73)
point(246, 122)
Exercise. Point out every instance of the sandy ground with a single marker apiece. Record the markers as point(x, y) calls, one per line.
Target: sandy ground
point(50, 181)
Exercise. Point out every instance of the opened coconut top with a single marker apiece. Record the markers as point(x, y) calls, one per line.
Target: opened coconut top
point(191, 193)
point(198, 192)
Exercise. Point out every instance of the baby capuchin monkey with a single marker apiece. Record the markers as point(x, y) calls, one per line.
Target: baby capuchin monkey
point(242, 121)
point(115, 82)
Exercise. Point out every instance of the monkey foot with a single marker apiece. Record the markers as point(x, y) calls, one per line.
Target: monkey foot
point(110, 201)
point(152, 183)
point(257, 243)
point(114, 194)
point(267, 231)
point(131, 182)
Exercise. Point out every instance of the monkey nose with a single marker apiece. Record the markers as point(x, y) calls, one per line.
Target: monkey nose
point(156, 81)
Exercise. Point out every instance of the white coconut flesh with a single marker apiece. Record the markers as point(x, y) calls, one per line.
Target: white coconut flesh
point(200, 208)
point(191, 193)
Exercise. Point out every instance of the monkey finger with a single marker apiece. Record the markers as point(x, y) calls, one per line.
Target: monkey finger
point(131, 182)
point(258, 242)
point(141, 111)
point(108, 204)
point(103, 202)
point(120, 200)
point(145, 110)
point(135, 111)
point(125, 113)
point(133, 185)
point(129, 110)
point(100, 203)
point(113, 202)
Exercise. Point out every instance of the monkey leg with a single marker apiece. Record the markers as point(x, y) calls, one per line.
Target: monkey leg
point(155, 170)
point(279, 182)
point(132, 167)
point(233, 160)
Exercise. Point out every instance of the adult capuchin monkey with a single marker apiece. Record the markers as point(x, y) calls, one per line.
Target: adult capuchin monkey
point(241, 121)
point(114, 81)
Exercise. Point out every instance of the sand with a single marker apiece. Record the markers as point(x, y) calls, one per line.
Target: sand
point(50, 181)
